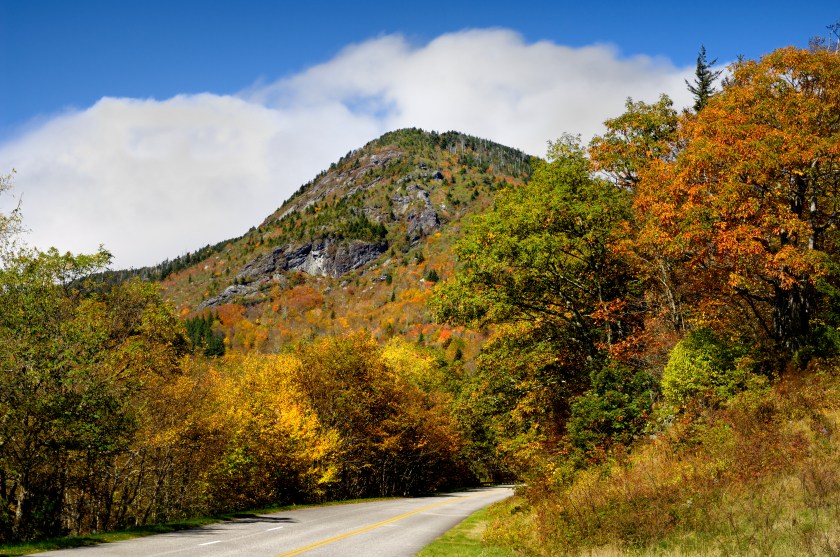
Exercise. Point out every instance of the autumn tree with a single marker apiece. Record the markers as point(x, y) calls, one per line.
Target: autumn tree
point(645, 135)
point(274, 448)
point(395, 437)
point(751, 200)
point(81, 365)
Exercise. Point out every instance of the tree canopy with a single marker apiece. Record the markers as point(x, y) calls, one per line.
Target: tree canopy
point(751, 199)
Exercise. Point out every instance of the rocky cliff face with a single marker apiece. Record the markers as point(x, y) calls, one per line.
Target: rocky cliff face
point(324, 257)
point(421, 218)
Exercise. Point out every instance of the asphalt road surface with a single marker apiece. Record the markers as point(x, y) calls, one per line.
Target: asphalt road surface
point(393, 528)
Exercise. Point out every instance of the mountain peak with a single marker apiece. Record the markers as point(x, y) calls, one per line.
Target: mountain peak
point(344, 249)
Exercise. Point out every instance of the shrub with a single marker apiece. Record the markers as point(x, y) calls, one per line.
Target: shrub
point(704, 366)
point(613, 411)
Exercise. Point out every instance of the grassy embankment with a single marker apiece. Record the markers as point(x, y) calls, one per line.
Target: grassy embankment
point(757, 475)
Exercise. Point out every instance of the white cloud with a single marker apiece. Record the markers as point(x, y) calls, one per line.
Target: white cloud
point(152, 179)
point(486, 82)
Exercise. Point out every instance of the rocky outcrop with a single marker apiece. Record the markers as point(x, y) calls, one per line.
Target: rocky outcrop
point(324, 257)
point(417, 211)
point(229, 294)
point(332, 259)
point(421, 223)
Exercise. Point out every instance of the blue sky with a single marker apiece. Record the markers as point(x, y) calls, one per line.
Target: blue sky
point(57, 54)
point(161, 119)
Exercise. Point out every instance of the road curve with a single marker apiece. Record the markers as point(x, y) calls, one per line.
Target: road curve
point(392, 528)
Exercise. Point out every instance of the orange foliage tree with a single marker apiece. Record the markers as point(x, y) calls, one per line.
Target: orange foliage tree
point(750, 200)
point(643, 135)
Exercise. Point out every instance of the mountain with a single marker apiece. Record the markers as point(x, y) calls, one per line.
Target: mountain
point(358, 247)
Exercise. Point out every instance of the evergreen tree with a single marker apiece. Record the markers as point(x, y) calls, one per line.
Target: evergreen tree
point(704, 79)
point(200, 332)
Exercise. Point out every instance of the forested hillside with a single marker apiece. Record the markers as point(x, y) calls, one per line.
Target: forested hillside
point(644, 330)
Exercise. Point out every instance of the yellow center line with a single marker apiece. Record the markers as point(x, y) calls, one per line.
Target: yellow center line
point(364, 529)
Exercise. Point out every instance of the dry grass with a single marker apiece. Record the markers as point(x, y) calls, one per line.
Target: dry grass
point(758, 477)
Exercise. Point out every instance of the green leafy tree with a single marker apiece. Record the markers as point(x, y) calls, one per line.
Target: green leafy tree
point(614, 411)
point(542, 256)
point(540, 267)
point(10, 224)
point(643, 133)
point(73, 357)
point(702, 365)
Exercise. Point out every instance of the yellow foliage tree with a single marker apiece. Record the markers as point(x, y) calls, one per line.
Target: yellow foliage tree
point(276, 449)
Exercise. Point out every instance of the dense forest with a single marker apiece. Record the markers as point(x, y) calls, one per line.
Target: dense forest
point(644, 330)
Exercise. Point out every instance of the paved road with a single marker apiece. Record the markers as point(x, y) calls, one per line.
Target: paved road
point(394, 528)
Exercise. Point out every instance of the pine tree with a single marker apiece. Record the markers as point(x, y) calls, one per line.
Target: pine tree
point(704, 78)
point(200, 332)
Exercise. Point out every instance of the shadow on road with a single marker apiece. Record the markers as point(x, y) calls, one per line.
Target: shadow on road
point(477, 489)
point(255, 518)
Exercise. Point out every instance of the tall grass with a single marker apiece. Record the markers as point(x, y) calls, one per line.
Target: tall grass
point(758, 476)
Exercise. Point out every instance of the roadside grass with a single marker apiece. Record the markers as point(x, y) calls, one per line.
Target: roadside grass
point(467, 539)
point(758, 476)
point(71, 542)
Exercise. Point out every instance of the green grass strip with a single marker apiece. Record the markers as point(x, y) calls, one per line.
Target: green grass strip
point(466, 540)
point(28, 548)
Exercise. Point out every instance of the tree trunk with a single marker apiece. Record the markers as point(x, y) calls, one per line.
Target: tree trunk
point(20, 501)
point(792, 311)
